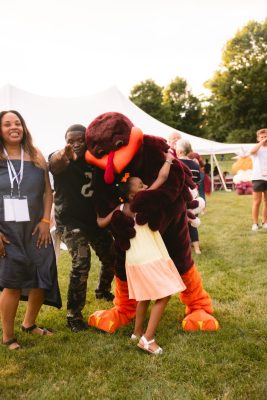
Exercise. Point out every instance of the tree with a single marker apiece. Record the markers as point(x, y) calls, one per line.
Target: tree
point(148, 96)
point(185, 108)
point(174, 106)
point(239, 87)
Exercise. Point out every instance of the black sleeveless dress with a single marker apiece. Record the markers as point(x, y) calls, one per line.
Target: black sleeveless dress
point(25, 266)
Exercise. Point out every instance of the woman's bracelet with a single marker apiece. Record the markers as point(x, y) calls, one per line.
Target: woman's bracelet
point(46, 221)
point(168, 161)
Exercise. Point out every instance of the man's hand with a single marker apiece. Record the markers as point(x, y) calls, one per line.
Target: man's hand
point(60, 160)
point(68, 154)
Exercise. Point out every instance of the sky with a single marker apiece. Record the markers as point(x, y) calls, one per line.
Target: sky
point(67, 48)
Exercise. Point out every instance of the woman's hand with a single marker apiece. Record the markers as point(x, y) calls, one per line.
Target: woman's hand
point(169, 158)
point(3, 241)
point(43, 230)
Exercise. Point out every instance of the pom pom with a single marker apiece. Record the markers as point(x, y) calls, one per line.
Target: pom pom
point(195, 222)
point(197, 206)
point(194, 193)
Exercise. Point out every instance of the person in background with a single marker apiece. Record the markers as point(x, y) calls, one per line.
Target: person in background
point(207, 180)
point(201, 186)
point(215, 171)
point(172, 140)
point(27, 260)
point(259, 179)
point(183, 149)
point(207, 167)
point(76, 222)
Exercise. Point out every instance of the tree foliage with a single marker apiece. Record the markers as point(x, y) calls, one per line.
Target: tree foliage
point(239, 88)
point(237, 106)
point(148, 96)
point(185, 108)
point(174, 105)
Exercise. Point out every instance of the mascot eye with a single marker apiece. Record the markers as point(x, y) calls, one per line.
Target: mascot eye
point(100, 153)
point(118, 144)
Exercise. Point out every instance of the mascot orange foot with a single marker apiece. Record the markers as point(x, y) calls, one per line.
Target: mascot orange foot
point(123, 312)
point(200, 320)
point(197, 300)
point(198, 304)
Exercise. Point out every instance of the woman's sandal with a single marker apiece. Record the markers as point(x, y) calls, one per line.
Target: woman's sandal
point(30, 329)
point(9, 343)
point(144, 344)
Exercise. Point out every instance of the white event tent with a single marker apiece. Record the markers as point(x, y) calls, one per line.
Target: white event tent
point(48, 118)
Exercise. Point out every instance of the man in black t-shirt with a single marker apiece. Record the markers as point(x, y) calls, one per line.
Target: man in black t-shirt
point(76, 222)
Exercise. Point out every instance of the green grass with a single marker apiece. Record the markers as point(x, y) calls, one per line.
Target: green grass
point(229, 364)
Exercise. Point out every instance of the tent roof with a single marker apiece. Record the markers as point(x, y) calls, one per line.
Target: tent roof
point(48, 118)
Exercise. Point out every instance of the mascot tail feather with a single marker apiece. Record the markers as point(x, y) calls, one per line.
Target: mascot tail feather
point(123, 312)
point(198, 304)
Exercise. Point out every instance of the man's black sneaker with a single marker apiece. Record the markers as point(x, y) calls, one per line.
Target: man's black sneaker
point(108, 296)
point(76, 324)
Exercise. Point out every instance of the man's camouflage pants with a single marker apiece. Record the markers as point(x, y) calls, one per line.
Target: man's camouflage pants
point(78, 244)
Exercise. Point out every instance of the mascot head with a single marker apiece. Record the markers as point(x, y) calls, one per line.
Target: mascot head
point(112, 142)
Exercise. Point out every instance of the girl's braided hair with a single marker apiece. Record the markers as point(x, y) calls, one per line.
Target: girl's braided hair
point(123, 188)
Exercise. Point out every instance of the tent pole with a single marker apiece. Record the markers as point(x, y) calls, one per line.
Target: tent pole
point(220, 173)
point(211, 173)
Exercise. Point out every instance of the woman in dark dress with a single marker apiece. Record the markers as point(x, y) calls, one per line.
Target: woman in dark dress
point(27, 259)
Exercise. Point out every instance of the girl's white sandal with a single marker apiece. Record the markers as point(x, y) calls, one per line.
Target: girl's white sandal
point(144, 344)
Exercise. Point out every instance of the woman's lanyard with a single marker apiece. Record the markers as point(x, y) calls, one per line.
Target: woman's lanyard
point(13, 175)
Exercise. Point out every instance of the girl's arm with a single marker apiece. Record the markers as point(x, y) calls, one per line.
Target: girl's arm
point(163, 173)
point(102, 222)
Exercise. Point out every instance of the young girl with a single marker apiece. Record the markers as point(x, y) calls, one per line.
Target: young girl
point(151, 274)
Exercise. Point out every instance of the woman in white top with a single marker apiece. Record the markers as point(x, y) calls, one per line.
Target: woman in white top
point(259, 179)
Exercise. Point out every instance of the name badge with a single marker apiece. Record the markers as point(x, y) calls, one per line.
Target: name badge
point(16, 209)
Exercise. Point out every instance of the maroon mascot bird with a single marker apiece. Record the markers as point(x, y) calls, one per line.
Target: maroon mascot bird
point(115, 146)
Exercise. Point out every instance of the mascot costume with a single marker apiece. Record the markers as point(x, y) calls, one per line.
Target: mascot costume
point(116, 147)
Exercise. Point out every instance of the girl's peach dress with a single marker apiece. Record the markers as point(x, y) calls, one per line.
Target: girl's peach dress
point(151, 273)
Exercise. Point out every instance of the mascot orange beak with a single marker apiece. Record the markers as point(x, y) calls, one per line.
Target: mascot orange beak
point(116, 161)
